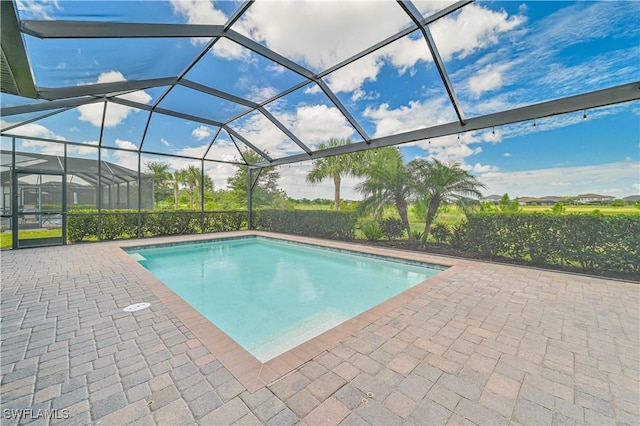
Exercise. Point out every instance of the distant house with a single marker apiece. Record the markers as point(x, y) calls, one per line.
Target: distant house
point(548, 200)
point(594, 198)
point(494, 199)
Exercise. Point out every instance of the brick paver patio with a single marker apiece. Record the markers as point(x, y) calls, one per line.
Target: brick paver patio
point(479, 344)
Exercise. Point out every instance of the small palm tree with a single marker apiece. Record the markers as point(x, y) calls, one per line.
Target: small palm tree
point(388, 182)
point(161, 176)
point(176, 180)
point(335, 167)
point(191, 177)
point(437, 182)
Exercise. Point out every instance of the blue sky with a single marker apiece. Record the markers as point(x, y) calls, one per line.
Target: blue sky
point(500, 55)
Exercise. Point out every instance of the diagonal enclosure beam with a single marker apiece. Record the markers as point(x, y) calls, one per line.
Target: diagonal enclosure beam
point(88, 29)
point(600, 98)
point(169, 112)
point(101, 89)
point(442, 13)
point(232, 133)
point(15, 63)
point(342, 109)
point(45, 106)
point(416, 17)
point(218, 93)
point(40, 117)
point(286, 131)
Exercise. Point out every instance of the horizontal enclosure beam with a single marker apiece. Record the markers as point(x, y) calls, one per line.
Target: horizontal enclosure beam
point(611, 96)
point(45, 106)
point(100, 89)
point(93, 29)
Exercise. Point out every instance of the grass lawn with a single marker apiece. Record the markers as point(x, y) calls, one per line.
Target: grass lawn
point(5, 237)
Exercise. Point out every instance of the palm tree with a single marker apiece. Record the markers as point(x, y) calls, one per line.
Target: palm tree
point(388, 182)
point(176, 181)
point(335, 167)
point(191, 177)
point(437, 182)
point(161, 176)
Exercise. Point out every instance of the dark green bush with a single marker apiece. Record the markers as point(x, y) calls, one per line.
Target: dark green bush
point(593, 242)
point(328, 224)
point(217, 221)
point(372, 231)
point(440, 232)
point(82, 225)
point(171, 223)
point(119, 224)
point(392, 228)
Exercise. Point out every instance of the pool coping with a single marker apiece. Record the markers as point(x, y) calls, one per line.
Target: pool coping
point(248, 370)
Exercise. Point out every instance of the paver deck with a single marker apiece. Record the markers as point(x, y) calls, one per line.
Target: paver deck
point(478, 344)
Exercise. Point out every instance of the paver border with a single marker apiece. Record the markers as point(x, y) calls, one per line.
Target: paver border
point(248, 370)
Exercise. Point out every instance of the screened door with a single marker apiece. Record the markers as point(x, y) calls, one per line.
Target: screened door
point(39, 209)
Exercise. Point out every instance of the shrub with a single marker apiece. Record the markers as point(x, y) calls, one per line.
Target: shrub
point(218, 221)
point(441, 232)
point(593, 242)
point(392, 228)
point(118, 224)
point(82, 225)
point(372, 231)
point(458, 232)
point(337, 225)
point(417, 234)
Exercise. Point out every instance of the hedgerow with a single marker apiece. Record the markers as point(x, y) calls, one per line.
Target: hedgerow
point(329, 224)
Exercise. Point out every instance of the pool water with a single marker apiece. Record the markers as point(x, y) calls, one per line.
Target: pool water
point(270, 295)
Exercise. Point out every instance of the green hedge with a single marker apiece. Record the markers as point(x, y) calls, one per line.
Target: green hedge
point(329, 224)
point(593, 242)
point(82, 225)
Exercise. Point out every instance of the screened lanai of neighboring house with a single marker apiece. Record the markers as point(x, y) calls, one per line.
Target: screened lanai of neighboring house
point(94, 96)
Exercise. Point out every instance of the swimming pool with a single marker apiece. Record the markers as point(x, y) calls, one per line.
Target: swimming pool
point(271, 295)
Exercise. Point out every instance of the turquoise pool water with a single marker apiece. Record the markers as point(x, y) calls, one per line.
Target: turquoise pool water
point(270, 296)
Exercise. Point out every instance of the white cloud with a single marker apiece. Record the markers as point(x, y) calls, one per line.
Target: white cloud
point(507, 154)
point(489, 78)
point(474, 28)
point(576, 180)
point(32, 130)
point(636, 187)
point(326, 42)
point(165, 142)
point(316, 123)
point(33, 9)
point(205, 12)
point(202, 132)
point(292, 180)
point(415, 115)
point(116, 113)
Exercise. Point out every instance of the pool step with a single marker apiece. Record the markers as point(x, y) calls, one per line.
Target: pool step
point(296, 334)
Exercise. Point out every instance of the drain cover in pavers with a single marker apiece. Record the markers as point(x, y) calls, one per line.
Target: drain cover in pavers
point(137, 307)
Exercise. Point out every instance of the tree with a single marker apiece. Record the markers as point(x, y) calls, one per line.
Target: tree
point(265, 190)
point(507, 205)
point(161, 178)
point(335, 167)
point(176, 180)
point(388, 182)
point(437, 182)
point(191, 178)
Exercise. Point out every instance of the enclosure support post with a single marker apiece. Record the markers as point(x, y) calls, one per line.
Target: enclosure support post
point(249, 204)
point(14, 196)
point(202, 196)
point(140, 196)
point(99, 194)
point(64, 197)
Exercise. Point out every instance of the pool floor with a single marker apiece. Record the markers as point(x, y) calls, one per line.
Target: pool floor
point(270, 296)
